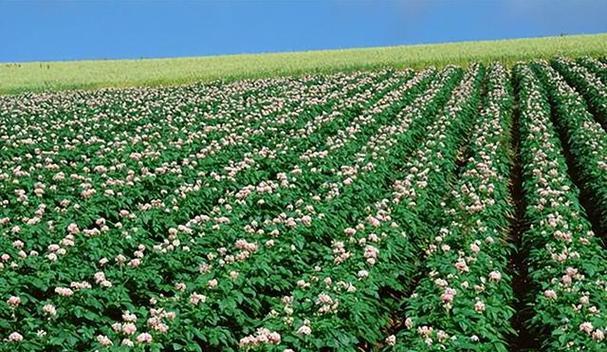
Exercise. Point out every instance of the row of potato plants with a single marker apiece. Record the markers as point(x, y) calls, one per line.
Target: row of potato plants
point(595, 66)
point(463, 301)
point(589, 85)
point(341, 303)
point(566, 261)
point(94, 250)
point(584, 138)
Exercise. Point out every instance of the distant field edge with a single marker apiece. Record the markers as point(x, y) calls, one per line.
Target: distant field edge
point(91, 74)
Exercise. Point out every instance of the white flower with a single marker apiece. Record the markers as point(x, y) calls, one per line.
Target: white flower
point(15, 337)
point(49, 309)
point(479, 307)
point(104, 340)
point(304, 330)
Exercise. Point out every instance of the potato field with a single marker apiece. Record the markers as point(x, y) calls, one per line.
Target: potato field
point(452, 209)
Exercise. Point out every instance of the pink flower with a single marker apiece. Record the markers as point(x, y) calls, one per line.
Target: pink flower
point(129, 328)
point(475, 248)
point(73, 229)
point(128, 316)
point(447, 297)
point(99, 277)
point(598, 335)
point(144, 338)
point(461, 266)
point(586, 327)
point(104, 340)
point(274, 338)
point(324, 299)
point(350, 231)
point(64, 291)
point(196, 298)
point(425, 331)
point(306, 220)
point(479, 307)
point(374, 222)
point(495, 276)
point(49, 309)
point(371, 252)
point(53, 248)
point(550, 294)
point(213, 283)
point(571, 271)
point(161, 327)
point(14, 301)
point(15, 337)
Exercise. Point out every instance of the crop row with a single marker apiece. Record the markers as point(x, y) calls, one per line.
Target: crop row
point(566, 260)
point(583, 136)
point(461, 302)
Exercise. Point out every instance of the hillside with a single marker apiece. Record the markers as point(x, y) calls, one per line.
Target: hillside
point(45, 76)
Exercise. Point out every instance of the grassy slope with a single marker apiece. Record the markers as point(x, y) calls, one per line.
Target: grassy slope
point(38, 76)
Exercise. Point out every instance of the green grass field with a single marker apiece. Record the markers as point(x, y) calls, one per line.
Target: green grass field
point(51, 76)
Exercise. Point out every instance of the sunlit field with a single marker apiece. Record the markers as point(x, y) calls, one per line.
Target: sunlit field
point(457, 207)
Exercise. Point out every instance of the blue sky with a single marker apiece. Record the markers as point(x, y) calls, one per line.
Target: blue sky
point(68, 30)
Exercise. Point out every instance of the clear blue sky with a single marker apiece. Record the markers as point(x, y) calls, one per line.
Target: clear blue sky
point(62, 30)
